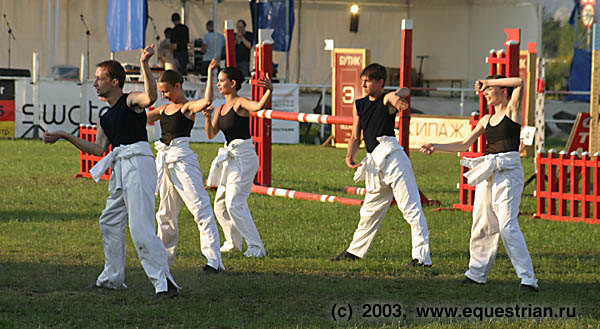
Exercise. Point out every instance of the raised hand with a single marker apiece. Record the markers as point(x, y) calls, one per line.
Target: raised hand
point(266, 82)
point(213, 63)
point(148, 52)
point(480, 85)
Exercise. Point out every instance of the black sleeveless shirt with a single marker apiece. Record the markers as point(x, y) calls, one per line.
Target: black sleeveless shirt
point(123, 125)
point(504, 137)
point(374, 120)
point(234, 126)
point(174, 125)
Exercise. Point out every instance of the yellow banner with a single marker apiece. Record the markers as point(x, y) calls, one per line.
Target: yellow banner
point(426, 128)
point(7, 129)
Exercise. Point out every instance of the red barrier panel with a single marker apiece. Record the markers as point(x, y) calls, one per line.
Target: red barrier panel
point(568, 187)
point(86, 160)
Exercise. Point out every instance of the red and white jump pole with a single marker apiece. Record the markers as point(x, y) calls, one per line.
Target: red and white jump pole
point(302, 117)
point(272, 191)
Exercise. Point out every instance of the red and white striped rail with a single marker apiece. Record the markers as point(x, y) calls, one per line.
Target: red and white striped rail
point(355, 190)
point(273, 191)
point(303, 117)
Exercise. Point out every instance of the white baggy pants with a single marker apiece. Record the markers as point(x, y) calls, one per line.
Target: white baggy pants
point(131, 200)
point(180, 181)
point(233, 170)
point(389, 166)
point(495, 212)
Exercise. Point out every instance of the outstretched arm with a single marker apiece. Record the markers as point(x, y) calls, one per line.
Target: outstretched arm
point(354, 141)
point(203, 103)
point(154, 115)
point(252, 106)
point(138, 100)
point(460, 146)
point(96, 148)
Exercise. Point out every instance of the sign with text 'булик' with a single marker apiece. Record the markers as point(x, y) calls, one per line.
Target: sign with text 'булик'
point(347, 64)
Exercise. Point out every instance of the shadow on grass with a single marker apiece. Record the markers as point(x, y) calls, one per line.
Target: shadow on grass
point(46, 216)
point(51, 295)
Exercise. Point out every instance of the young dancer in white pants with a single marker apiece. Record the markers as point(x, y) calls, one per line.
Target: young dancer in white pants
point(386, 169)
point(236, 164)
point(179, 175)
point(133, 181)
point(498, 177)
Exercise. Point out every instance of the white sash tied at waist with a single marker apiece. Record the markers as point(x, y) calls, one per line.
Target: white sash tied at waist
point(373, 162)
point(484, 167)
point(178, 150)
point(220, 165)
point(113, 160)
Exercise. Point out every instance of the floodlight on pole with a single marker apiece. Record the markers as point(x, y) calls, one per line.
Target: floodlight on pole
point(354, 18)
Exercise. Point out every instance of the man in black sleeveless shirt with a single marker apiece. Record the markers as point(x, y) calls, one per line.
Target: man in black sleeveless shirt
point(133, 181)
point(386, 169)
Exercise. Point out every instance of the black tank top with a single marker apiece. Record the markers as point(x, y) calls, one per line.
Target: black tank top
point(174, 125)
point(374, 120)
point(234, 126)
point(123, 125)
point(504, 137)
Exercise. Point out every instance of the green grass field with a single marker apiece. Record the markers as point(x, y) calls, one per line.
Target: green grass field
point(51, 251)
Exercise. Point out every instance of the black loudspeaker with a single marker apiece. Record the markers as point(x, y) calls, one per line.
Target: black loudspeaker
point(4, 72)
point(354, 22)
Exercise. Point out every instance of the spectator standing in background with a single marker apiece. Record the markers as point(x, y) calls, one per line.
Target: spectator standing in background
point(165, 52)
point(243, 45)
point(208, 46)
point(181, 37)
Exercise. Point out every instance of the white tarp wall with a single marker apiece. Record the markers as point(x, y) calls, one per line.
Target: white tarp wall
point(456, 34)
point(61, 108)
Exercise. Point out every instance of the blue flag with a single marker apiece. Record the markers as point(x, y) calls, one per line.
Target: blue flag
point(272, 14)
point(126, 24)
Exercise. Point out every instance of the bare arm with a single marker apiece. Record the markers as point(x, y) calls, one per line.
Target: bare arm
point(211, 125)
point(514, 103)
point(140, 101)
point(252, 106)
point(354, 141)
point(96, 148)
point(202, 103)
point(396, 101)
point(460, 146)
point(154, 115)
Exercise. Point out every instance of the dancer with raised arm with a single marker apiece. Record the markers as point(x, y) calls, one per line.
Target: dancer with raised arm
point(386, 169)
point(179, 175)
point(236, 164)
point(133, 181)
point(498, 177)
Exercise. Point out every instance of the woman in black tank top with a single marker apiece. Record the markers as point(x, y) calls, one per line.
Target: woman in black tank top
point(498, 180)
point(234, 125)
point(177, 117)
point(235, 182)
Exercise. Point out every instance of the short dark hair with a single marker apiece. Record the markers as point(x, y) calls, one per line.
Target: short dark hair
point(171, 77)
point(175, 17)
point(241, 21)
point(509, 90)
point(375, 71)
point(168, 31)
point(114, 70)
point(234, 74)
point(210, 23)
